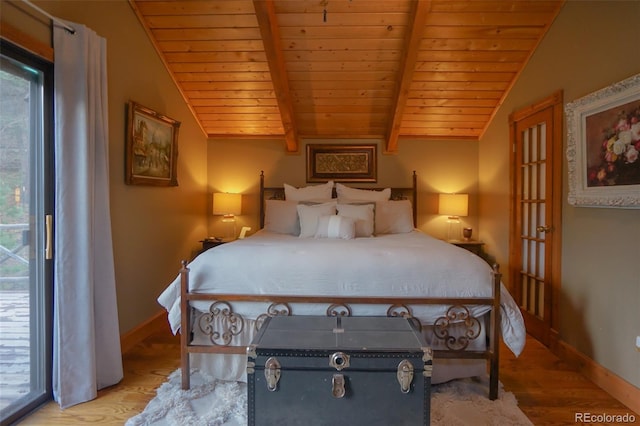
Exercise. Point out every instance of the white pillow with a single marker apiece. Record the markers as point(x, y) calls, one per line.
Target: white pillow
point(281, 216)
point(322, 192)
point(309, 215)
point(363, 216)
point(393, 217)
point(336, 226)
point(346, 194)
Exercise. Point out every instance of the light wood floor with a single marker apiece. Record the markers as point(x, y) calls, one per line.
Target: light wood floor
point(548, 390)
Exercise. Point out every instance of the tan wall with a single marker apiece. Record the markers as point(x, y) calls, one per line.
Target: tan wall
point(153, 228)
point(590, 46)
point(441, 166)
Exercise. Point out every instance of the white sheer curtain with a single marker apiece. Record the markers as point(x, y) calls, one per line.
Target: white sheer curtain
point(87, 354)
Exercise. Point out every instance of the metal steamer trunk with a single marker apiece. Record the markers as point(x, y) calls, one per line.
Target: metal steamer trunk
point(305, 370)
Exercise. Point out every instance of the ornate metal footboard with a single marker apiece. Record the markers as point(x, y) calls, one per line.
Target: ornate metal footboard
point(220, 323)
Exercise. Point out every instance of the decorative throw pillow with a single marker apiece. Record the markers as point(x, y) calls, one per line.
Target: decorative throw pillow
point(336, 226)
point(363, 216)
point(281, 217)
point(309, 193)
point(393, 217)
point(309, 215)
point(346, 194)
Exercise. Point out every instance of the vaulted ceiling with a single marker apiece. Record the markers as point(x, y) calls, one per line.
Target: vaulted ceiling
point(356, 69)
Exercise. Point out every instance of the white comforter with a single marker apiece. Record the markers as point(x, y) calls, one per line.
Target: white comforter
point(412, 265)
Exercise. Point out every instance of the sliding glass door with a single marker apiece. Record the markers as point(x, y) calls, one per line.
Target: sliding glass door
point(26, 201)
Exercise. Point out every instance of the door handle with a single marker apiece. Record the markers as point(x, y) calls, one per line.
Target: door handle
point(544, 229)
point(48, 248)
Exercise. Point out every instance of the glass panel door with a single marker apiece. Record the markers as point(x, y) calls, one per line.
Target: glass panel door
point(536, 193)
point(532, 202)
point(26, 84)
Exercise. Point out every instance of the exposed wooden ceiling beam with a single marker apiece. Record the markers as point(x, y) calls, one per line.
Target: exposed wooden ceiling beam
point(267, 20)
point(410, 50)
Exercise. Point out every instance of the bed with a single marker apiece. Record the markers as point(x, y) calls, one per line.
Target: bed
point(332, 249)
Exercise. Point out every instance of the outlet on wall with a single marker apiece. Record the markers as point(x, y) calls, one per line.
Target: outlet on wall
point(638, 343)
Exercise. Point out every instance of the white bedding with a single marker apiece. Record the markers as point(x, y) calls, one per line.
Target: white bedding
point(411, 264)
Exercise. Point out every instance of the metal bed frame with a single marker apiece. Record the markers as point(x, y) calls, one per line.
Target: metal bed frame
point(220, 323)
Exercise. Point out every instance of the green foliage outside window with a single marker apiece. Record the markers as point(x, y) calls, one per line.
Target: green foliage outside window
point(14, 179)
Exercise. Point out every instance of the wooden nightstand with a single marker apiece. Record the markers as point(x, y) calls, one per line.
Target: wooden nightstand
point(208, 243)
point(473, 246)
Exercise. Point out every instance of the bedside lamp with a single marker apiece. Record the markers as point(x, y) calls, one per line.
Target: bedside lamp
point(228, 206)
point(454, 206)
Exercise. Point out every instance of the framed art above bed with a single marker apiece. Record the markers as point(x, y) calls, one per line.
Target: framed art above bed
point(342, 163)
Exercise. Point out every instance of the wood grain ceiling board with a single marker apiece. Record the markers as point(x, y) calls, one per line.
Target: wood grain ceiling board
point(357, 69)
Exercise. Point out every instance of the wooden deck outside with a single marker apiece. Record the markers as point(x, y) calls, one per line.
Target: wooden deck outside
point(14, 346)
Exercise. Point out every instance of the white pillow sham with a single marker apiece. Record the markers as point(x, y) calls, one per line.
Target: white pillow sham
point(393, 217)
point(309, 193)
point(309, 215)
point(363, 214)
point(281, 217)
point(336, 226)
point(346, 194)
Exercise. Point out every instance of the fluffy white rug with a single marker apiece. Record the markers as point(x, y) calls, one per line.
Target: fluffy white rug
point(216, 403)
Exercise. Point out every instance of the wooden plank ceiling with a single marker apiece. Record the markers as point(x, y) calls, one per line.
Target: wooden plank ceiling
point(357, 69)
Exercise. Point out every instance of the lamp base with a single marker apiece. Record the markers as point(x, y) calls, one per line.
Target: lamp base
point(453, 229)
point(229, 222)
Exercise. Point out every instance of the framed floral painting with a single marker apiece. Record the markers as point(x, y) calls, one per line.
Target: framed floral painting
point(603, 147)
point(152, 147)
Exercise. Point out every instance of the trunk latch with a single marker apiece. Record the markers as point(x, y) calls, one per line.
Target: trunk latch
point(272, 373)
point(339, 360)
point(337, 386)
point(405, 375)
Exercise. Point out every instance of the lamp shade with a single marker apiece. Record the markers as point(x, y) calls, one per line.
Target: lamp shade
point(454, 204)
point(225, 203)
